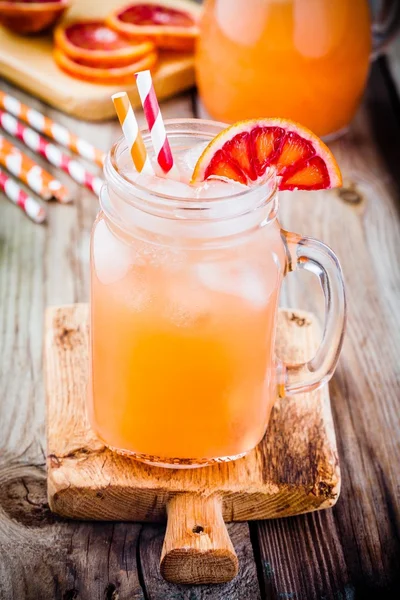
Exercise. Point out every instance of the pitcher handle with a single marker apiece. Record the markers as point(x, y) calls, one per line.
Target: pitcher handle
point(385, 23)
point(314, 256)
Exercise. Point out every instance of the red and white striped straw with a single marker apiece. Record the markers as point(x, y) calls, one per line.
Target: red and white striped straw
point(16, 194)
point(51, 152)
point(53, 130)
point(155, 123)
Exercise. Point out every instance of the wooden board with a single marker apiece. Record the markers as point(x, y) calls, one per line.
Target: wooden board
point(28, 62)
point(294, 469)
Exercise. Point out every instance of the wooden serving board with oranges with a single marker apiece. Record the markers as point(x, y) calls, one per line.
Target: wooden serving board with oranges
point(63, 76)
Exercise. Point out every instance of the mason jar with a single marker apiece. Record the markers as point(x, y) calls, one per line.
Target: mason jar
point(184, 300)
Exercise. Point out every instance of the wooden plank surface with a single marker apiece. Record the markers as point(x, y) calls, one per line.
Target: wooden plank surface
point(28, 62)
point(349, 553)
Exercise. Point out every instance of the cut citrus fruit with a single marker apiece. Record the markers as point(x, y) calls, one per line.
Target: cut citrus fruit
point(94, 44)
point(103, 75)
point(31, 16)
point(245, 150)
point(169, 24)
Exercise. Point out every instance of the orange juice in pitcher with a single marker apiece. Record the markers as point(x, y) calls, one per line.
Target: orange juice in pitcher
point(302, 59)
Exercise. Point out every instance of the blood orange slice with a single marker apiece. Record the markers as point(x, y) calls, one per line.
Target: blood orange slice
point(103, 75)
point(245, 151)
point(92, 43)
point(169, 23)
point(31, 16)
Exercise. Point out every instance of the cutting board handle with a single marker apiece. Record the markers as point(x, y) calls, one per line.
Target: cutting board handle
point(197, 547)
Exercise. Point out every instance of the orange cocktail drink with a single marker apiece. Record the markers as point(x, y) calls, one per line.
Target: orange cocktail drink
point(183, 363)
point(185, 282)
point(183, 316)
point(306, 60)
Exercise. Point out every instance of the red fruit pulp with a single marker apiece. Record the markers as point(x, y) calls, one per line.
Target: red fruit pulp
point(248, 155)
point(152, 14)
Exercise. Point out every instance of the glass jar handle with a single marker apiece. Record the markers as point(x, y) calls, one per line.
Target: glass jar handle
point(314, 256)
point(385, 23)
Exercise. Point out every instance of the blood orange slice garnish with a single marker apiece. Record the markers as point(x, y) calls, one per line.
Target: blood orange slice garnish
point(245, 151)
point(169, 23)
point(103, 75)
point(94, 44)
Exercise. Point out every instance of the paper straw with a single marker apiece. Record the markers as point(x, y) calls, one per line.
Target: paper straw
point(51, 152)
point(53, 130)
point(16, 194)
point(155, 123)
point(132, 134)
point(30, 173)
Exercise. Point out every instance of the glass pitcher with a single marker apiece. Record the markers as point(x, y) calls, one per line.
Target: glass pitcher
point(302, 59)
point(184, 301)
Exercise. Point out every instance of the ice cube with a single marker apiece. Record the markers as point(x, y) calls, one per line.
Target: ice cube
point(254, 288)
point(112, 258)
point(212, 188)
point(187, 303)
point(241, 281)
point(162, 185)
point(136, 292)
point(219, 188)
point(186, 161)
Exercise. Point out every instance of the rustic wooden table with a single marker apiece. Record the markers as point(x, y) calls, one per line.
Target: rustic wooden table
point(347, 553)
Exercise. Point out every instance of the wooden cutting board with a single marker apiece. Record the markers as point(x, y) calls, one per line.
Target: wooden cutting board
point(293, 470)
point(28, 62)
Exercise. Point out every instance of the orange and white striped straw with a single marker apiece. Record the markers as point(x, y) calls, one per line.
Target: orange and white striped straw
point(152, 112)
point(30, 173)
point(19, 197)
point(53, 130)
point(132, 134)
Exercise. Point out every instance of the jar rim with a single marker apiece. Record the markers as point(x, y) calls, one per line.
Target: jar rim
point(131, 191)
